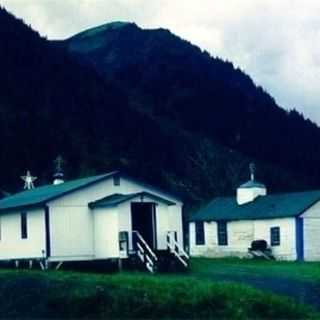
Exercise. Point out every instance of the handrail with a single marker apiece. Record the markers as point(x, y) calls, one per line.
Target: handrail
point(173, 243)
point(150, 264)
point(140, 252)
point(145, 244)
point(181, 260)
point(144, 252)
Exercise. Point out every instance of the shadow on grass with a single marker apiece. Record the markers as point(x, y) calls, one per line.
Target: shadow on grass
point(82, 295)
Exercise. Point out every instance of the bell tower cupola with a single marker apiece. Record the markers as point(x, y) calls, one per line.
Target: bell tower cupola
point(251, 189)
point(58, 176)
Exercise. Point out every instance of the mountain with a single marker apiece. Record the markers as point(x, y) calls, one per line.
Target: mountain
point(170, 78)
point(147, 102)
point(49, 105)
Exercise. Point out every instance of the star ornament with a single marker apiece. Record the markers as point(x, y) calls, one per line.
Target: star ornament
point(28, 180)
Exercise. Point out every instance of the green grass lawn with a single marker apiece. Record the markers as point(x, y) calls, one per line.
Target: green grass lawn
point(303, 271)
point(61, 294)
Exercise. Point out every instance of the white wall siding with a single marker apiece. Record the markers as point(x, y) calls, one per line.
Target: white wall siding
point(201, 250)
point(162, 224)
point(125, 223)
point(175, 221)
point(73, 226)
point(106, 233)
point(311, 228)
point(72, 222)
point(105, 188)
point(130, 186)
point(311, 232)
point(85, 195)
point(71, 232)
point(11, 244)
point(245, 195)
point(287, 248)
point(241, 234)
point(79, 233)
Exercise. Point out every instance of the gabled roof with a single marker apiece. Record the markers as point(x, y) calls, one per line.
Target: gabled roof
point(4, 194)
point(252, 184)
point(263, 207)
point(117, 198)
point(40, 195)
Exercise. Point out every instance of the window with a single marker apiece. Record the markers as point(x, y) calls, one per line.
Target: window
point(275, 236)
point(199, 233)
point(24, 226)
point(116, 180)
point(222, 233)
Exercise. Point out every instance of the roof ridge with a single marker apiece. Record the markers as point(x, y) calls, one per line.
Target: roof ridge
point(277, 205)
point(54, 186)
point(103, 202)
point(42, 194)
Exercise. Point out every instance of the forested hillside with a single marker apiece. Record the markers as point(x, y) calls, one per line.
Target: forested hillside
point(147, 102)
point(171, 78)
point(49, 105)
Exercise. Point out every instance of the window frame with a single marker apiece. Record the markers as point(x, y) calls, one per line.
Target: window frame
point(275, 237)
point(199, 234)
point(222, 233)
point(24, 225)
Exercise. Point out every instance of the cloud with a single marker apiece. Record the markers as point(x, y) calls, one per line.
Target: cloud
point(275, 42)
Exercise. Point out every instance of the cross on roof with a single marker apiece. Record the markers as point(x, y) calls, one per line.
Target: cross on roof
point(58, 163)
point(252, 168)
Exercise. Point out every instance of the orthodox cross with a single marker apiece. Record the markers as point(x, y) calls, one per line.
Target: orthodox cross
point(28, 180)
point(58, 164)
point(252, 168)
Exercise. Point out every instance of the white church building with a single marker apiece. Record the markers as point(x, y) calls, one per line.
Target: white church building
point(109, 216)
point(289, 223)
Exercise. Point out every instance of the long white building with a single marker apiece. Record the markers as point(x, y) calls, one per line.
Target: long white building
point(109, 216)
point(289, 223)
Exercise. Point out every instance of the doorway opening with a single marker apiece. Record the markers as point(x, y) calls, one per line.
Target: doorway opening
point(143, 218)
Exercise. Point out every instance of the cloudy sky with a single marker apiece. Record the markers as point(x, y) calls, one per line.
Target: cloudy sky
point(277, 42)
